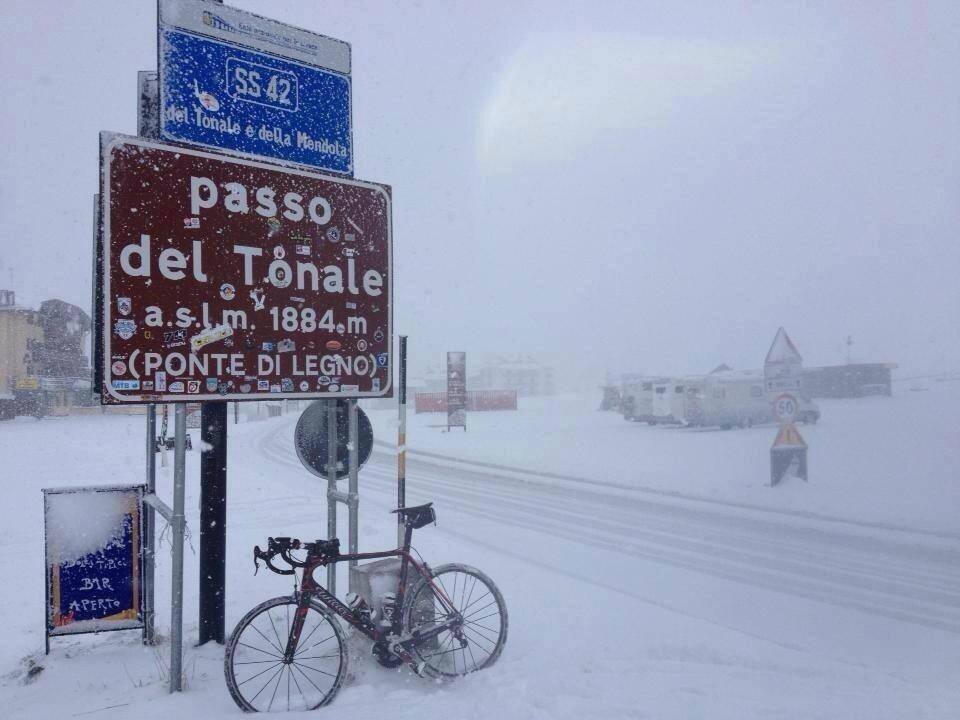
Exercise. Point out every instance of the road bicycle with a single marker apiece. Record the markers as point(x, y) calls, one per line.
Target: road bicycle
point(290, 652)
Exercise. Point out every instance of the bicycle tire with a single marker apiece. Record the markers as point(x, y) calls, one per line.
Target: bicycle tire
point(262, 650)
point(438, 658)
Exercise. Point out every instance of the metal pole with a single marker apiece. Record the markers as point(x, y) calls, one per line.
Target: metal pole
point(163, 438)
point(213, 520)
point(149, 524)
point(353, 499)
point(402, 439)
point(331, 488)
point(178, 523)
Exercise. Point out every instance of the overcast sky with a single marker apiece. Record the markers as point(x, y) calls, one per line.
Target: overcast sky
point(610, 186)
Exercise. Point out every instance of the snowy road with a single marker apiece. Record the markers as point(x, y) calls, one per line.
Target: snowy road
point(910, 577)
point(624, 602)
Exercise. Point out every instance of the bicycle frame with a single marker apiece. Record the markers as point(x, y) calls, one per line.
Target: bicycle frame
point(310, 589)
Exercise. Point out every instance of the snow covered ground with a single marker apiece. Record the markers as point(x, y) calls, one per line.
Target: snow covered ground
point(624, 603)
point(888, 460)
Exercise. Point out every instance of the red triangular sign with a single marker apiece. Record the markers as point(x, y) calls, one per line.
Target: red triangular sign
point(789, 436)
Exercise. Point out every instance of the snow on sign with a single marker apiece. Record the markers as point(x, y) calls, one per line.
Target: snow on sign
point(226, 278)
point(234, 80)
point(92, 540)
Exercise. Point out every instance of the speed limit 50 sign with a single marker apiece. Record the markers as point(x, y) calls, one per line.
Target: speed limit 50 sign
point(785, 407)
point(228, 278)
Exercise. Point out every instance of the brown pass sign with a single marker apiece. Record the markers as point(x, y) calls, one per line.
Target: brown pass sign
point(226, 278)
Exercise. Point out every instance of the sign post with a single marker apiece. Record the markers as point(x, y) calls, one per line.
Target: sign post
point(177, 526)
point(402, 439)
point(148, 126)
point(149, 531)
point(213, 520)
point(457, 390)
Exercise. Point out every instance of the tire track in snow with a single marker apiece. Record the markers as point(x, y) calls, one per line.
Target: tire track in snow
point(925, 597)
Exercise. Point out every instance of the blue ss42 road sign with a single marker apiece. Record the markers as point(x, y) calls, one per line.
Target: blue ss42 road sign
point(233, 80)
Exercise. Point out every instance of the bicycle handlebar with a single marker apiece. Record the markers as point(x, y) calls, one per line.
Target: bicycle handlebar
point(325, 550)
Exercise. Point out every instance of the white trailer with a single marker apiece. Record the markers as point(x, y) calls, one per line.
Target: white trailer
point(731, 398)
point(672, 397)
point(637, 400)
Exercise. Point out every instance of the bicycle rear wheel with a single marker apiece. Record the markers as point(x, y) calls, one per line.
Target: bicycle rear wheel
point(258, 677)
point(483, 633)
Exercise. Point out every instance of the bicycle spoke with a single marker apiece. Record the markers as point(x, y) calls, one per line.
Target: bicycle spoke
point(476, 624)
point(270, 680)
point(480, 609)
point(253, 677)
point(322, 694)
point(440, 647)
point(317, 644)
point(475, 664)
point(466, 602)
point(260, 650)
point(280, 642)
point(471, 628)
point(480, 635)
point(274, 696)
point(318, 670)
point(269, 641)
point(256, 662)
point(296, 682)
point(319, 657)
point(476, 620)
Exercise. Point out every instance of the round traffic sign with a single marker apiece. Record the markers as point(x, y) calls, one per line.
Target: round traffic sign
point(310, 438)
point(785, 407)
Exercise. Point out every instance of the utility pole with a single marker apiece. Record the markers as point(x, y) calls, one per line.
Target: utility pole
point(213, 519)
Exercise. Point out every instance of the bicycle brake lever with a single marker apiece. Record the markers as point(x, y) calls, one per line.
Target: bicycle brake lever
point(256, 556)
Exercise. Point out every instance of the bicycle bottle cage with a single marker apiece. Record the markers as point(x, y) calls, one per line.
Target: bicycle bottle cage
point(418, 516)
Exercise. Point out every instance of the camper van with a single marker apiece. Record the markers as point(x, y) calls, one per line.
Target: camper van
point(731, 398)
point(675, 400)
point(637, 400)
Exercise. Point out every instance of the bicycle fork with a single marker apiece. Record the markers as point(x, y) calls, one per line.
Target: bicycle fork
point(293, 639)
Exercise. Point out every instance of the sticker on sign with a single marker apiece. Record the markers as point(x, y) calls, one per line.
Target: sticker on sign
point(235, 301)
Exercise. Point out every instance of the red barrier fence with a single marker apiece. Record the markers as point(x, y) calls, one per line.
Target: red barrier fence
point(477, 400)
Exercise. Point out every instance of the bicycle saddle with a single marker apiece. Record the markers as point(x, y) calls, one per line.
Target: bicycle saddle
point(417, 516)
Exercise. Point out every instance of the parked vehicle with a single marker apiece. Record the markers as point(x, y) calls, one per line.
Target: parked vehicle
point(637, 401)
point(675, 400)
point(736, 398)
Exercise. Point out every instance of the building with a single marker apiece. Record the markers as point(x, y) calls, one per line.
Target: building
point(43, 369)
point(848, 381)
point(21, 337)
point(521, 373)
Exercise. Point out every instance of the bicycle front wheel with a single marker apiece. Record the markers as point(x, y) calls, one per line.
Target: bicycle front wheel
point(258, 676)
point(478, 641)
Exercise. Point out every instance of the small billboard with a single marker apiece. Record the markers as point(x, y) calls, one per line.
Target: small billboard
point(93, 550)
